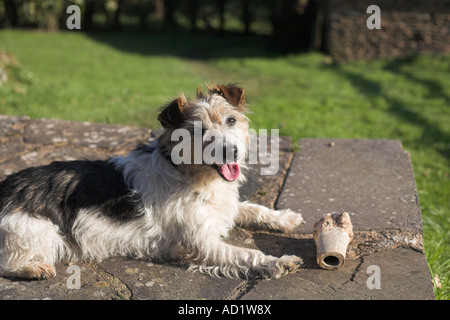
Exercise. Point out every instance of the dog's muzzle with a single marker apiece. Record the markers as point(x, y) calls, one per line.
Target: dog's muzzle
point(229, 171)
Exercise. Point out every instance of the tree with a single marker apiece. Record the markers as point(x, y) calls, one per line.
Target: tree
point(11, 16)
point(246, 15)
point(221, 7)
point(193, 7)
point(48, 13)
point(89, 9)
point(169, 11)
point(117, 13)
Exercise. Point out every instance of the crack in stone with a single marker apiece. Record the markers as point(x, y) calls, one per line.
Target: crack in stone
point(242, 289)
point(288, 169)
point(114, 282)
point(357, 269)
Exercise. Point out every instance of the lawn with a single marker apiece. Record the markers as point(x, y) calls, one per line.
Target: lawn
point(125, 78)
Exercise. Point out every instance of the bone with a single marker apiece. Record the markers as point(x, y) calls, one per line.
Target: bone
point(332, 234)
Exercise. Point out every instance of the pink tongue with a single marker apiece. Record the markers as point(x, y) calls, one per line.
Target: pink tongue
point(230, 171)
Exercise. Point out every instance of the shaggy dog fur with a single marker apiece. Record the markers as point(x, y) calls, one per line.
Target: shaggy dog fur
point(147, 205)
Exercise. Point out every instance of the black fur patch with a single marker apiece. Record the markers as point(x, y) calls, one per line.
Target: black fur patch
point(60, 190)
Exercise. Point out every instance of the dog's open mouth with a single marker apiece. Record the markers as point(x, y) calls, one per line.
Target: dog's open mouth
point(228, 171)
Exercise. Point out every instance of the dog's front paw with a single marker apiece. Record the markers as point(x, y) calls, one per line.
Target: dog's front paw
point(288, 264)
point(37, 270)
point(287, 220)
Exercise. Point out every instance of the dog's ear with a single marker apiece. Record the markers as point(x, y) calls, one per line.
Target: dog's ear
point(200, 94)
point(232, 93)
point(172, 114)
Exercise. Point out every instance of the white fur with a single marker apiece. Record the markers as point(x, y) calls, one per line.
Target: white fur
point(25, 239)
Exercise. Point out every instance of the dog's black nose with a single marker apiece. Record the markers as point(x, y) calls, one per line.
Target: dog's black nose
point(230, 153)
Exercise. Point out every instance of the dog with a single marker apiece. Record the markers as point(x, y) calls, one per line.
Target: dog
point(146, 205)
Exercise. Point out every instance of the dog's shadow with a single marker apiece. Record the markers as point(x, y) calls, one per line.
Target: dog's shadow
point(278, 245)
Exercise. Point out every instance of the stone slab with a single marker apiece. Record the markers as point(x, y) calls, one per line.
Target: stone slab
point(35, 142)
point(402, 276)
point(95, 284)
point(7, 121)
point(371, 179)
point(147, 280)
point(84, 134)
point(265, 188)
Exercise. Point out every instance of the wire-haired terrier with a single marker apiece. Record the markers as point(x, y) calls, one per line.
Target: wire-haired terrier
point(161, 202)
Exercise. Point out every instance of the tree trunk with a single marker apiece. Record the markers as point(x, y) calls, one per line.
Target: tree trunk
point(193, 13)
point(116, 21)
point(12, 18)
point(221, 7)
point(88, 13)
point(159, 9)
point(169, 10)
point(246, 15)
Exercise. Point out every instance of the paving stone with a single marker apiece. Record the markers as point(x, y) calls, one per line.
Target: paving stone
point(11, 147)
point(44, 156)
point(165, 282)
point(95, 284)
point(265, 188)
point(403, 275)
point(371, 179)
point(41, 141)
point(149, 280)
point(7, 121)
point(86, 134)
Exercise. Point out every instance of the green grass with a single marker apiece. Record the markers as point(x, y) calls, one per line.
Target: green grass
point(125, 78)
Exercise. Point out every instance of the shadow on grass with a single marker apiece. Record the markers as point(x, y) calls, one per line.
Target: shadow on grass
point(189, 45)
point(432, 135)
point(435, 89)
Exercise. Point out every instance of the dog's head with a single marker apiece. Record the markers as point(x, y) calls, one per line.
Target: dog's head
point(207, 135)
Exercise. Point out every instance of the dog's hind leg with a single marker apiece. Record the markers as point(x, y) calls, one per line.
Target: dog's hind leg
point(29, 247)
point(260, 217)
point(33, 270)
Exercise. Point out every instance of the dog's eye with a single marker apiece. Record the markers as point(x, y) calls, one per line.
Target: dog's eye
point(231, 121)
